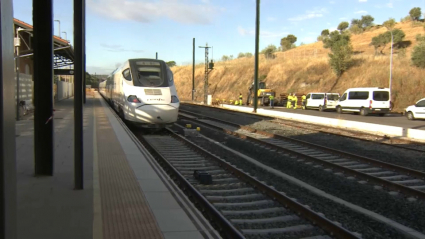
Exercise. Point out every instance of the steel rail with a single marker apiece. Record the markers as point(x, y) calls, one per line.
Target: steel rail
point(225, 227)
point(223, 224)
point(321, 131)
point(352, 172)
point(359, 134)
point(327, 225)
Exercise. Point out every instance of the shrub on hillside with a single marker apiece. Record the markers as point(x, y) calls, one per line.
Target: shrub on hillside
point(323, 35)
point(325, 32)
point(355, 29)
point(363, 23)
point(171, 63)
point(342, 26)
point(341, 49)
point(287, 42)
point(225, 58)
point(418, 53)
point(269, 51)
point(415, 13)
point(405, 19)
point(241, 54)
point(383, 39)
point(389, 24)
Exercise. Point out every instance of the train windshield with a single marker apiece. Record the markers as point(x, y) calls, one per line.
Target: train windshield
point(148, 74)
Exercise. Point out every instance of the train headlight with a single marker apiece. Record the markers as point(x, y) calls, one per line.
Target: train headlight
point(133, 99)
point(174, 99)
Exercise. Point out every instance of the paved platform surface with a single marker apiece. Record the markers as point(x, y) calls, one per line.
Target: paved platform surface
point(126, 194)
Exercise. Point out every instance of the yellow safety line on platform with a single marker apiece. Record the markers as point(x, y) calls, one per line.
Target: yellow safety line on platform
point(97, 203)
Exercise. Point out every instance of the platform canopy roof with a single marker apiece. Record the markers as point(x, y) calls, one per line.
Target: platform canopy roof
point(63, 52)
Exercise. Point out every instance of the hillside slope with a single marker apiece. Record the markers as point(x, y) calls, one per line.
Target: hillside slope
point(306, 69)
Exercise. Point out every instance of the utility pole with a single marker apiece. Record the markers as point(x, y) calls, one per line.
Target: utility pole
point(391, 62)
point(193, 71)
point(207, 66)
point(156, 56)
point(257, 40)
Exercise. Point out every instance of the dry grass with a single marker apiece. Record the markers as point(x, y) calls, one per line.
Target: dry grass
point(305, 69)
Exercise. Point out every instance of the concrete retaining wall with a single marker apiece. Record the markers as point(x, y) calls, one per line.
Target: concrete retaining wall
point(377, 129)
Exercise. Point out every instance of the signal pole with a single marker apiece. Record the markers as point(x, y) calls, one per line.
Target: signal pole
point(193, 71)
point(257, 40)
point(207, 66)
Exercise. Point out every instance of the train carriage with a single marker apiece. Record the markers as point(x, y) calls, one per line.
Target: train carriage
point(142, 91)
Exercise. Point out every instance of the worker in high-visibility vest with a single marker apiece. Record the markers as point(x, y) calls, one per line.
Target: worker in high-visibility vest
point(295, 100)
point(271, 98)
point(304, 99)
point(240, 98)
point(289, 101)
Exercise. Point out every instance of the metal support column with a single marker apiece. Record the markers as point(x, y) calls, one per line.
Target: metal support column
point(206, 74)
point(8, 217)
point(193, 71)
point(257, 41)
point(17, 44)
point(43, 87)
point(79, 53)
point(84, 75)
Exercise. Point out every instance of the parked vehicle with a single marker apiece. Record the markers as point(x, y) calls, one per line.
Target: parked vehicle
point(371, 100)
point(416, 111)
point(321, 101)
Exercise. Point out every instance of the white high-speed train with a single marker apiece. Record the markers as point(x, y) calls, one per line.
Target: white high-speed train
point(142, 91)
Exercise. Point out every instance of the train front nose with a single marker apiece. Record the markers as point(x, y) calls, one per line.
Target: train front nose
point(156, 114)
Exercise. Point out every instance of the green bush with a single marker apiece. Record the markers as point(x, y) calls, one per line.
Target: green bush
point(418, 54)
point(342, 50)
point(405, 19)
point(355, 29)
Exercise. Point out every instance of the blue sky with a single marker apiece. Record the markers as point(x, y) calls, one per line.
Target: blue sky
point(117, 30)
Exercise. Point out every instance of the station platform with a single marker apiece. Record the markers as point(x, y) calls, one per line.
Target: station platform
point(126, 193)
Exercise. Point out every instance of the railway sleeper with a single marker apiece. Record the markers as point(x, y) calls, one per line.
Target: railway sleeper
point(235, 197)
point(244, 204)
point(238, 190)
point(256, 212)
point(292, 229)
point(394, 177)
point(266, 220)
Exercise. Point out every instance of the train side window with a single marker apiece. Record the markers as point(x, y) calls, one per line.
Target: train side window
point(126, 74)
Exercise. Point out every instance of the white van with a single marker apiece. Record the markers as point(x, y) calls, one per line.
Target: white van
point(321, 101)
point(416, 111)
point(372, 100)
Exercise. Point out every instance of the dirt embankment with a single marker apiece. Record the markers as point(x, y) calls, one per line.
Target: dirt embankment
point(306, 69)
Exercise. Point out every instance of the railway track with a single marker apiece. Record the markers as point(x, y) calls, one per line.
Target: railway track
point(394, 178)
point(384, 140)
point(240, 205)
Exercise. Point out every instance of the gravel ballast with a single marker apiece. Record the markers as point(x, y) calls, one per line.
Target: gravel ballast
point(385, 153)
point(396, 208)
